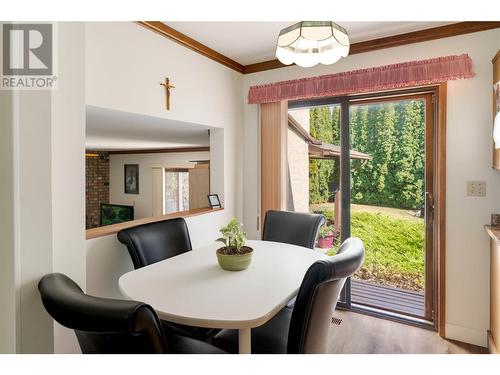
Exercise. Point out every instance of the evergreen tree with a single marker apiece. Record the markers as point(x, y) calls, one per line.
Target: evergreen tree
point(393, 134)
point(409, 160)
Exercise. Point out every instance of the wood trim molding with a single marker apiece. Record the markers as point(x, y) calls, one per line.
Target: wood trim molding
point(176, 36)
point(159, 150)
point(497, 56)
point(446, 31)
point(115, 228)
point(263, 66)
point(496, 78)
point(431, 277)
point(441, 209)
point(494, 327)
point(433, 33)
point(492, 348)
point(425, 35)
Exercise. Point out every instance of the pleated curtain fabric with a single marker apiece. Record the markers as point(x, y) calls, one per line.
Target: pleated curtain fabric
point(407, 74)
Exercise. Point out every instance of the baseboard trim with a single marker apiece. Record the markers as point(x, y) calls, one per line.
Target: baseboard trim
point(492, 348)
point(467, 335)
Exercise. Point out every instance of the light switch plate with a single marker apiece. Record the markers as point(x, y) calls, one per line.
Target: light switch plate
point(476, 188)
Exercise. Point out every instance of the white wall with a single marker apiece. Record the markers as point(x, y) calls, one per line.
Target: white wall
point(27, 247)
point(143, 202)
point(45, 227)
point(68, 167)
point(34, 219)
point(8, 295)
point(125, 64)
point(469, 148)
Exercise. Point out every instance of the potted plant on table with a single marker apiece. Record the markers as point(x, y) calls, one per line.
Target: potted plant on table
point(326, 236)
point(234, 256)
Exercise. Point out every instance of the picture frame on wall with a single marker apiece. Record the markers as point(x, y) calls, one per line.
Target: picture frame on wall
point(131, 178)
point(214, 201)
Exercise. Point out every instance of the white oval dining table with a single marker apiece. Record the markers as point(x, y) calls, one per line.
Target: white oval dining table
point(192, 289)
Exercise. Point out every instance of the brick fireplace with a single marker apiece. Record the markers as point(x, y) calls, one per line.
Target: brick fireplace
point(96, 186)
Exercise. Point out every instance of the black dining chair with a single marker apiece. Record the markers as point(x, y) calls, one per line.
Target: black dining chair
point(153, 242)
point(305, 329)
point(112, 326)
point(295, 228)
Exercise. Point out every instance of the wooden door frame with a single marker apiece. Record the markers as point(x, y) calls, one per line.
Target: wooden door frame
point(431, 273)
point(439, 91)
point(431, 151)
point(433, 124)
point(440, 218)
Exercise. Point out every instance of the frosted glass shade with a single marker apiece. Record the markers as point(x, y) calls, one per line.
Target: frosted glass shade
point(308, 43)
point(496, 131)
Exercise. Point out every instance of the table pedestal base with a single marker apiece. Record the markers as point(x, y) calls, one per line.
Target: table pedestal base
point(245, 341)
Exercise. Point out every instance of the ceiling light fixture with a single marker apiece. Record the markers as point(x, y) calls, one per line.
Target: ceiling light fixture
point(308, 43)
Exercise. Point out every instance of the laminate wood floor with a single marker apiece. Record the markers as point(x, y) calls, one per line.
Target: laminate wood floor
point(363, 334)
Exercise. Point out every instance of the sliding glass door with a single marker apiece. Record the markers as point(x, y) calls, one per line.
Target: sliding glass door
point(388, 204)
point(381, 190)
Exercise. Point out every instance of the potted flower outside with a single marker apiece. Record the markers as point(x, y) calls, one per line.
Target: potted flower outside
point(234, 256)
point(326, 236)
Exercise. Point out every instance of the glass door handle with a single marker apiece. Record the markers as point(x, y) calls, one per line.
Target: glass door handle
point(429, 201)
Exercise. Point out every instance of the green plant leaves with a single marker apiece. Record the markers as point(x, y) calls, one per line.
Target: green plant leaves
point(223, 240)
point(233, 236)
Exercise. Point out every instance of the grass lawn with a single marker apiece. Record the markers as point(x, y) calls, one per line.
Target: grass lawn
point(394, 249)
point(397, 213)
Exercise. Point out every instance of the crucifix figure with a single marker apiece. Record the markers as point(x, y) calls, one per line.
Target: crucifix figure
point(167, 86)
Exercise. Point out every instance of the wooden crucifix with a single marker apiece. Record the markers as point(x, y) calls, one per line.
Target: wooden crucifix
point(167, 86)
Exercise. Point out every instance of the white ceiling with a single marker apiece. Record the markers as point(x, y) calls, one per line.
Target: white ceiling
point(253, 42)
point(108, 130)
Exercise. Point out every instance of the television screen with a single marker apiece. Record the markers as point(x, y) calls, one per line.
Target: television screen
point(115, 213)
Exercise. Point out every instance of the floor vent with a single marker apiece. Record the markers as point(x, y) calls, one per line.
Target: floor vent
point(336, 321)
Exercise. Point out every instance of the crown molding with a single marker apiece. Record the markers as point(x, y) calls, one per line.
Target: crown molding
point(446, 31)
point(176, 36)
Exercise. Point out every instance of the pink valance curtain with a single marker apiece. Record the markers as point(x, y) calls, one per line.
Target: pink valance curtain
point(412, 73)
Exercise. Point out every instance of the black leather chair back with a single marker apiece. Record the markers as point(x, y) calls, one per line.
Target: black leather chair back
point(150, 243)
point(318, 296)
point(104, 326)
point(295, 228)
